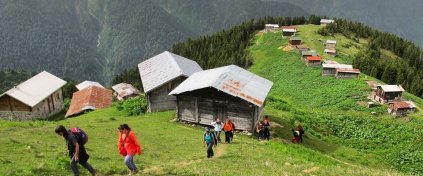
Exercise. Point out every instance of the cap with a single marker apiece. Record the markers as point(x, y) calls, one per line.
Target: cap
point(207, 129)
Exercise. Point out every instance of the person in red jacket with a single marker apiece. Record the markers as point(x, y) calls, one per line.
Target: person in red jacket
point(128, 147)
point(229, 128)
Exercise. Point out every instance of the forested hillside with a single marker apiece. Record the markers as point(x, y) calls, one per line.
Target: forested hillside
point(96, 39)
point(11, 78)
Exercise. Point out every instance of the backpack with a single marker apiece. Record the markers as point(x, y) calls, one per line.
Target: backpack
point(213, 137)
point(80, 134)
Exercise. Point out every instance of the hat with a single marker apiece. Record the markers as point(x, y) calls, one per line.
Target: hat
point(207, 129)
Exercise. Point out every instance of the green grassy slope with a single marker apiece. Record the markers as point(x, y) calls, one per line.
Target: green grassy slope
point(331, 108)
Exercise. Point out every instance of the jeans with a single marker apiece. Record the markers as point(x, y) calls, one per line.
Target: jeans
point(266, 132)
point(75, 170)
point(217, 133)
point(210, 150)
point(228, 136)
point(129, 161)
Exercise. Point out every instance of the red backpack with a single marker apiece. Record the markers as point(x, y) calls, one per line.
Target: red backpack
point(80, 134)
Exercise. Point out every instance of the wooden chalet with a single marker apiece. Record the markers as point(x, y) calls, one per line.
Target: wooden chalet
point(305, 54)
point(325, 22)
point(387, 93)
point(125, 91)
point(271, 27)
point(228, 92)
point(160, 75)
point(401, 108)
point(330, 44)
point(347, 73)
point(302, 48)
point(37, 98)
point(89, 99)
point(313, 61)
point(288, 31)
point(295, 41)
point(331, 52)
point(330, 69)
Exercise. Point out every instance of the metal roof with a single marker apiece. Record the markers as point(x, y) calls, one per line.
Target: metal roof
point(124, 89)
point(232, 80)
point(90, 98)
point(36, 89)
point(86, 84)
point(314, 58)
point(330, 51)
point(326, 21)
point(309, 53)
point(392, 88)
point(289, 30)
point(295, 38)
point(165, 67)
point(347, 70)
point(272, 25)
point(337, 66)
point(330, 41)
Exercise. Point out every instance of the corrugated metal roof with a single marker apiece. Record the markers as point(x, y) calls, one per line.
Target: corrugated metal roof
point(165, 67)
point(232, 80)
point(289, 30)
point(347, 70)
point(36, 89)
point(337, 66)
point(86, 84)
point(326, 21)
point(289, 27)
point(330, 41)
point(272, 25)
point(308, 53)
point(330, 51)
point(295, 38)
point(90, 98)
point(403, 104)
point(392, 88)
point(124, 89)
point(314, 58)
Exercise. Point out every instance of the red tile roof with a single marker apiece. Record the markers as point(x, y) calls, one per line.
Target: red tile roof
point(90, 98)
point(401, 105)
point(347, 70)
point(314, 58)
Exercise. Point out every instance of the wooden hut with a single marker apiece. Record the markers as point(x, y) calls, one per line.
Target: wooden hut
point(86, 84)
point(330, 69)
point(125, 91)
point(271, 27)
point(302, 48)
point(330, 44)
point(89, 99)
point(228, 92)
point(288, 31)
point(401, 108)
point(325, 22)
point(160, 75)
point(331, 52)
point(313, 61)
point(37, 98)
point(295, 41)
point(305, 54)
point(347, 73)
point(387, 93)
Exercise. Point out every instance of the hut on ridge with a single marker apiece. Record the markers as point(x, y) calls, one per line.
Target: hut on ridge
point(313, 61)
point(228, 92)
point(325, 22)
point(387, 93)
point(347, 73)
point(89, 99)
point(288, 31)
point(401, 108)
point(125, 91)
point(160, 75)
point(330, 69)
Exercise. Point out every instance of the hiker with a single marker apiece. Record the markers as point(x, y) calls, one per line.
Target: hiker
point(229, 128)
point(217, 128)
point(301, 131)
point(128, 146)
point(209, 140)
point(296, 136)
point(266, 128)
point(77, 153)
point(259, 130)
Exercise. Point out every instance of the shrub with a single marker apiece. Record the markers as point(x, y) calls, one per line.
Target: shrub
point(133, 106)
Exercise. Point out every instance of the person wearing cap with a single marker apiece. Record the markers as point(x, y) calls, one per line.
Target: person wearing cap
point(209, 139)
point(218, 125)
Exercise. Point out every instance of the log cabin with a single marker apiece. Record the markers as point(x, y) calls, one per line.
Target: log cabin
point(347, 73)
point(160, 75)
point(228, 92)
point(295, 41)
point(288, 31)
point(125, 91)
point(401, 108)
point(314, 61)
point(387, 93)
point(330, 69)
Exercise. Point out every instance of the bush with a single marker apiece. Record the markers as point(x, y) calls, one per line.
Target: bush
point(133, 106)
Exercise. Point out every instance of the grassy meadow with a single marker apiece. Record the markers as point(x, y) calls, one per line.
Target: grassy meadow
point(342, 137)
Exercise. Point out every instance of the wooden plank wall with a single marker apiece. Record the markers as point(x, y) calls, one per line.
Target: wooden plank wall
point(186, 108)
point(160, 99)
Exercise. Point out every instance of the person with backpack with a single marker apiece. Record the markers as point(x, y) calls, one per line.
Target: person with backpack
point(301, 131)
point(217, 128)
point(266, 128)
point(128, 146)
point(259, 130)
point(209, 140)
point(229, 128)
point(75, 140)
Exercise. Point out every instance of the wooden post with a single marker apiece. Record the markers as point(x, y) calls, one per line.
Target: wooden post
point(196, 110)
point(10, 104)
point(52, 101)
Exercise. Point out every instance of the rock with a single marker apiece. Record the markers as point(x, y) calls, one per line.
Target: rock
point(249, 134)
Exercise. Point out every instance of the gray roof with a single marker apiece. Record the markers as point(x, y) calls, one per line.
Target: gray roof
point(165, 67)
point(309, 53)
point(232, 80)
point(392, 88)
point(337, 66)
point(124, 89)
point(86, 84)
point(36, 89)
point(295, 38)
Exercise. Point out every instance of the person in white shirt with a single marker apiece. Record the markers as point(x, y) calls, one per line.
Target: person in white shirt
point(218, 125)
